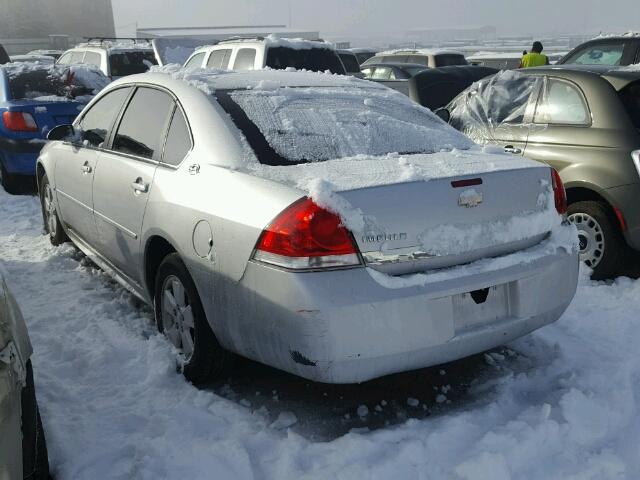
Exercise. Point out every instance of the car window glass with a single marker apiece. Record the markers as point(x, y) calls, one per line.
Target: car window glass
point(350, 62)
point(630, 96)
point(381, 73)
point(245, 59)
point(65, 59)
point(367, 72)
point(397, 59)
point(637, 60)
point(178, 140)
point(195, 61)
point(131, 62)
point(92, 58)
point(392, 74)
point(95, 124)
point(76, 57)
point(142, 128)
point(219, 59)
point(447, 60)
point(602, 54)
point(561, 103)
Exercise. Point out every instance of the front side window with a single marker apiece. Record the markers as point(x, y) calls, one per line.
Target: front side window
point(96, 123)
point(381, 73)
point(92, 58)
point(602, 54)
point(306, 124)
point(178, 140)
point(562, 103)
point(142, 127)
point(195, 61)
point(367, 72)
point(245, 59)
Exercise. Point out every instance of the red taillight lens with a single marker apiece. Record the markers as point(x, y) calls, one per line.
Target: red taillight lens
point(559, 194)
point(19, 122)
point(307, 236)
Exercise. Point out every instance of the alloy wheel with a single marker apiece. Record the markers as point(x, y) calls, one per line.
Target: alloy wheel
point(177, 316)
point(50, 210)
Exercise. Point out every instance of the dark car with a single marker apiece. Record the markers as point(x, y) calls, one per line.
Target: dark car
point(393, 75)
point(350, 62)
point(619, 50)
point(585, 122)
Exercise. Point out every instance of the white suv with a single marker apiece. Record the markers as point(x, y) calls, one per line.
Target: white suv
point(115, 58)
point(273, 52)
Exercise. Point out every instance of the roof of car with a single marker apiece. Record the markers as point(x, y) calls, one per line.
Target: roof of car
point(619, 77)
point(210, 80)
point(420, 51)
point(273, 41)
point(400, 65)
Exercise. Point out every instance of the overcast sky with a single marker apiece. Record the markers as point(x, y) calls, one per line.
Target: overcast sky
point(342, 17)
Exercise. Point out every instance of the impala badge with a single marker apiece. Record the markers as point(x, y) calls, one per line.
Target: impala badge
point(470, 198)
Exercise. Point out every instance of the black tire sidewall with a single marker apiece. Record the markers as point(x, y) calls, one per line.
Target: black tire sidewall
point(209, 359)
point(60, 237)
point(614, 244)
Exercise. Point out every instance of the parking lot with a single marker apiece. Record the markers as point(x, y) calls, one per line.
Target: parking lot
point(561, 403)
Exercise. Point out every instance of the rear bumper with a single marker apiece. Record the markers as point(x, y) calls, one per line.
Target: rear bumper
point(627, 199)
point(19, 156)
point(344, 327)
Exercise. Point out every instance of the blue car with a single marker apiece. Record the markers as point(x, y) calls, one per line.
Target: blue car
point(34, 98)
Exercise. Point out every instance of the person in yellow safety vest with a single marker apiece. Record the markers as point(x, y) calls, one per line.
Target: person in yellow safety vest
point(535, 58)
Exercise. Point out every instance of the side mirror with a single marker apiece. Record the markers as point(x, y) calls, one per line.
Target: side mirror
point(61, 132)
point(444, 114)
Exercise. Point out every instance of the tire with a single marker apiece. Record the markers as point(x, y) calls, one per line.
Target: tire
point(10, 182)
point(181, 318)
point(52, 223)
point(35, 459)
point(602, 246)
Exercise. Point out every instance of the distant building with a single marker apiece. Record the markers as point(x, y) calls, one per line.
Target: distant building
point(27, 24)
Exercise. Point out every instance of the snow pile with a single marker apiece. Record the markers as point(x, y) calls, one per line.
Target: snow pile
point(114, 407)
point(274, 41)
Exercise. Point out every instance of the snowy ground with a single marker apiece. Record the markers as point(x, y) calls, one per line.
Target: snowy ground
point(561, 403)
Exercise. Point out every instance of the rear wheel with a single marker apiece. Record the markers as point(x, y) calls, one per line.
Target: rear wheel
point(52, 224)
point(180, 316)
point(601, 244)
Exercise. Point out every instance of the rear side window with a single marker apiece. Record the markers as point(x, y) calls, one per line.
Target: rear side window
point(195, 61)
point(563, 104)
point(65, 59)
point(447, 60)
point(314, 59)
point(219, 59)
point(129, 63)
point(92, 58)
point(143, 124)
point(602, 54)
point(76, 57)
point(178, 140)
point(95, 124)
point(245, 59)
point(630, 97)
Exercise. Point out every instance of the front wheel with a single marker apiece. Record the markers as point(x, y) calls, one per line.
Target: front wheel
point(52, 224)
point(180, 316)
point(601, 244)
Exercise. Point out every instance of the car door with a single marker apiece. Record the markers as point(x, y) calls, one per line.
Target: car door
point(76, 162)
point(124, 176)
point(560, 132)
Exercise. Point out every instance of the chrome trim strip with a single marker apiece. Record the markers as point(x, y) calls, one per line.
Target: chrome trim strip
point(117, 225)
point(74, 200)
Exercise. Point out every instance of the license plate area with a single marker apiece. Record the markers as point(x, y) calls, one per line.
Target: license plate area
point(480, 306)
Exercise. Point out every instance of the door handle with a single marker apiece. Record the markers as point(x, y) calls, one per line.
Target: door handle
point(86, 168)
point(139, 186)
point(512, 149)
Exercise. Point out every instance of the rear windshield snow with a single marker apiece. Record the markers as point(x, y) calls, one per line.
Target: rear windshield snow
point(312, 59)
point(129, 63)
point(48, 82)
point(298, 125)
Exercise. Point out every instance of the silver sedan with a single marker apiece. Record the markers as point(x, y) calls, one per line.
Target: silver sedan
point(320, 224)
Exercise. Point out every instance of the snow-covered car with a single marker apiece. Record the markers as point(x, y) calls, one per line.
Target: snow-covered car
point(31, 58)
point(23, 449)
point(114, 57)
point(34, 98)
point(321, 224)
point(273, 52)
point(56, 54)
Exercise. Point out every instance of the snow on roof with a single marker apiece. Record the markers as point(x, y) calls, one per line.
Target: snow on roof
point(273, 41)
point(421, 51)
point(629, 34)
point(120, 45)
point(86, 75)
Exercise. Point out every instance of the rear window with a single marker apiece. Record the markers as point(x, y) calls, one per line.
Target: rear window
point(129, 63)
point(448, 59)
point(350, 62)
point(314, 59)
point(630, 96)
point(311, 124)
point(53, 82)
point(364, 56)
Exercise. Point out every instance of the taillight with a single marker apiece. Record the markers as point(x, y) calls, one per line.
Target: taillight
point(19, 122)
point(306, 236)
point(559, 194)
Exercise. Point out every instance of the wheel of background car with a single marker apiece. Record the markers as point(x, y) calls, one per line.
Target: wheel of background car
point(52, 224)
point(601, 243)
point(180, 316)
point(10, 183)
